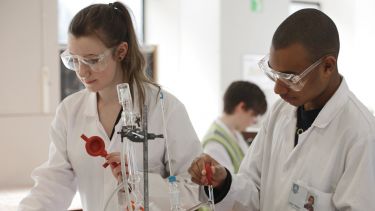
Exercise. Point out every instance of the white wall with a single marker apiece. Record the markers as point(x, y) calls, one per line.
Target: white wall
point(201, 45)
point(354, 20)
point(24, 145)
point(246, 32)
point(29, 86)
point(29, 58)
point(187, 35)
point(362, 71)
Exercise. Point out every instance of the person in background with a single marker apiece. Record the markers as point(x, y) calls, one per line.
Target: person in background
point(243, 103)
point(318, 138)
point(103, 51)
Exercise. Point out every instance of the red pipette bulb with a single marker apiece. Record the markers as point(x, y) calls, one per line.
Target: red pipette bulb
point(208, 173)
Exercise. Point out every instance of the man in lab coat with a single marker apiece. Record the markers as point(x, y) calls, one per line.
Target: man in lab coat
point(317, 142)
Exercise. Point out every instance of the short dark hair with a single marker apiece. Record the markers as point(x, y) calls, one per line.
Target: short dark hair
point(247, 92)
point(311, 28)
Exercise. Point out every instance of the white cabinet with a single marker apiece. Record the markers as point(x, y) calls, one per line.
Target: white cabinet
point(29, 85)
point(29, 71)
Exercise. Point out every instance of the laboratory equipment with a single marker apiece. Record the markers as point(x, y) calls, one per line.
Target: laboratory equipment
point(95, 147)
point(174, 194)
point(210, 187)
point(130, 135)
point(135, 135)
point(130, 177)
point(210, 204)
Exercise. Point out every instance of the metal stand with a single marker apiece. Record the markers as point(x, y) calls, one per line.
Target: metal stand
point(145, 160)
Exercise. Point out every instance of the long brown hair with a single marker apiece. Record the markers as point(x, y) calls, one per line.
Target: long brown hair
point(112, 24)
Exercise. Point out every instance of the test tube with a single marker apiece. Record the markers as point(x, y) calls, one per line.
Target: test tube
point(210, 187)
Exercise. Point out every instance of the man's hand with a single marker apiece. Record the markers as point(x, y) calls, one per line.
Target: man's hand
point(199, 174)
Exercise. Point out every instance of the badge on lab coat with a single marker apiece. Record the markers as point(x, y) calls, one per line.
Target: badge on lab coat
point(301, 199)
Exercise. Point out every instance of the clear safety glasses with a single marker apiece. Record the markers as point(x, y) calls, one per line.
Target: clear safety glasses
point(96, 63)
point(293, 81)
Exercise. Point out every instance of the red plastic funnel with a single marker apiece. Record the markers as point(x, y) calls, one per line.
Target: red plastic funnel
point(95, 147)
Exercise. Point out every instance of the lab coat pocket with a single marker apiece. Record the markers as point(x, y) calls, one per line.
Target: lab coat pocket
point(322, 200)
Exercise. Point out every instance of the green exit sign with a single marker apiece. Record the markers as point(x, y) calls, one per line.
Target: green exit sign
point(255, 5)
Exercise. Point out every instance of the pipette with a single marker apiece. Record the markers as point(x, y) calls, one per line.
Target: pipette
point(210, 203)
point(210, 187)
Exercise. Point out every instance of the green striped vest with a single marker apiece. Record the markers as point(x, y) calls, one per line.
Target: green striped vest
point(219, 135)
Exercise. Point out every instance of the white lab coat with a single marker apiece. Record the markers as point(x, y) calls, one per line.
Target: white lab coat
point(334, 159)
point(70, 167)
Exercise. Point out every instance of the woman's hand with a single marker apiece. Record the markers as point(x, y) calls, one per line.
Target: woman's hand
point(114, 160)
point(198, 172)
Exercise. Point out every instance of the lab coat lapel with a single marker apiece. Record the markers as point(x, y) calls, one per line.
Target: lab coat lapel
point(283, 135)
point(329, 111)
point(91, 105)
point(288, 143)
point(333, 106)
point(95, 128)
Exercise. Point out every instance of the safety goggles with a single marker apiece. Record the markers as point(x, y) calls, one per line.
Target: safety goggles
point(96, 63)
point(295, 82)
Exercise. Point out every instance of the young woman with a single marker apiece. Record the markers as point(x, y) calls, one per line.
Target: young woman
point(103, 51)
